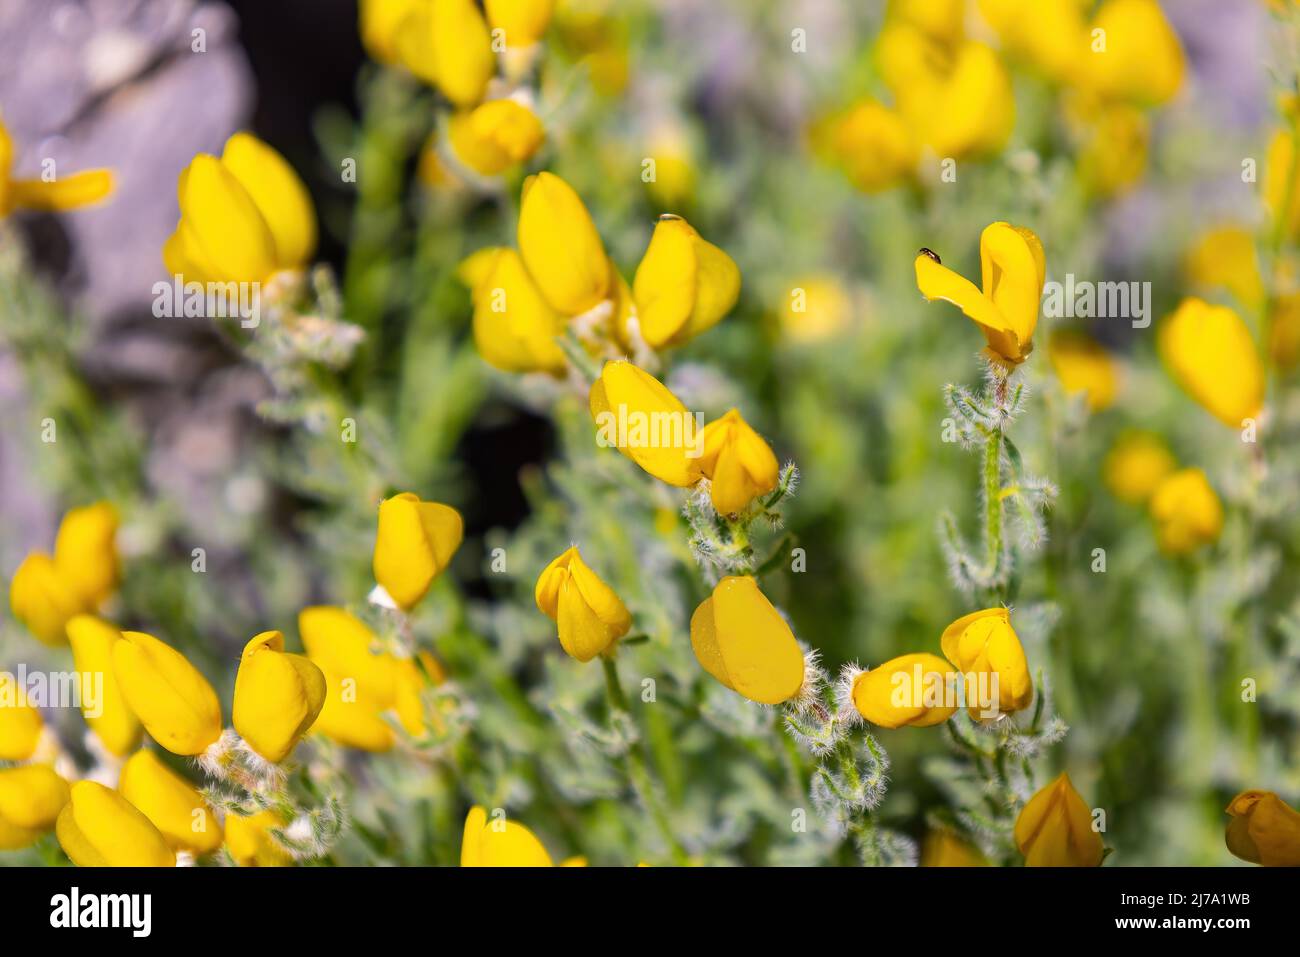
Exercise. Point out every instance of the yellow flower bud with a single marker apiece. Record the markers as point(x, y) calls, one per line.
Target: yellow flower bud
point(244, 216)
point(683, 286)
point(521, 21)
point(817, 308)
point(673, 183)
point(635, 413)
point(945, 849)
point(116, 725)
point(986, 650)
point(560, 245)
point(1115, 140)
point(1264, 830)
point(1136, 465)
point(1083, 365)
point(277, 696)
point(379, 23)
point(1210, 353)
point(100, 828)
point(743, 641)
point(31, 798)
point(916, 690)
point(499, 843)
point(1186, 512)
point(972, 112)
point(20, 723)
point(871, 143)
point(1136, 55)
point(361, 685)
point(1279, 174)
point(414, 542)
point(250, 843)
point(446, 43)
point(495, 136)
point(1225, 258)
point(86, 554)
point(1014, 270)
point(514, 327)
point(590, 616)
point(1054, 829)
point(41, 600)
point(739, 463)
point(170, 803)
point(173, 701)
point(64, 192)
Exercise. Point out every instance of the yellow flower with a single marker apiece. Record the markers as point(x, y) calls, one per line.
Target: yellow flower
point(499, 843)
point(590, 616)
point(1186, 512)
point(379, 22)
point(414, 542)
point(683, 286)
point(58, 194)
point(1281, 190)
point(244, 216)
point(521, 21)
point(589, 32)
point(560, 245)
point(916, 690)
point(277, 696)
point(871, 143)
point(638, 415)
point(1054, 829)
point(1136, 465)
point(944, 849)
point(943, 20)
point(495, 136)
point(514, 327)
point(31, 798)
point(1049, 34)
point(985, 648)
point(1115, 141)
point(173, 701)
point(1225, 257)
point(20, 722)
point(446, 43)
point(972, 112)
point(250, 843)
point(1264, 830)
point(1083, 365)
point(741, 640)
point(170, 803)
point(1210, 353)
point(116, 725)
point(45, 592)
point(1014, 270)
point(739, 463)
point(100, 828)
point(817, 308)
point(673, 185)
point(1141, 61)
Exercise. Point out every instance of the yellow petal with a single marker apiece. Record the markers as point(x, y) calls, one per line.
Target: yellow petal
point(249, 840)
point(560, 245)
point(277, 696)
point(115, 725)
point(462, 50)
point(937, 281)
point(737, 460)
point(173, 701)
point(1014, 270)
point(591, 617)
point(741, 640)
point(41, 599)
point(522, 21)
point(1264, 829)
point(1137, 465)
point(20, 722)
point(1210, 353)
point(637, 414)
point(414, 542)
point(31, 798)
point(500, 843)
point(170, 803)
point(1142, 60)
point(100, 828)
point(1186, 511)
point(495, 136)
point(279, 194)
point(1054, 829)
point(914, 690)
point(64, 193)
point(1083, 365)
point(85, 551)
point(224, 223)
point(514, 327)
point(683, 285)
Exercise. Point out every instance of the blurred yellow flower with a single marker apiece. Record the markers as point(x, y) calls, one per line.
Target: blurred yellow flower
point(522, 22)
point(45, 592)
point(116, 725)
point(1115, 138)
point(100, 828)
point(514, 327)
point(1264, 829)
point(983, 646)
point(379, 22)
point(173, 701)
point(560, 246)
point(1186, 512)
point(1054, 829)
point(635, 413)
point(1133, 53)
point(55, 194)
point(590, 33)
point(446, 43)
point(740, 465)
point(1083, 365)
point(590, 616)
point(499, 843)
point(31, 798)
point(1136, 465)
point(414, 542)
point(915, 690)
point(817, 308)
point(871, 143)
point(250, 843)
point(170, 803)
point(740, 639)
point(942, 848)
point(1210, 353)
point(20, 721)
point(673, 183)
point(495, 136)
point(277, 696)
point(1280, 188)
point(1048, 34)
point(1225, 257)
point(1284, 331)
point(683, 286)
point(1014, 270)
point(244, 216)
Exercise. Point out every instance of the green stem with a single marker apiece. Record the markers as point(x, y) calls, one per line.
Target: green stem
point(993, 502)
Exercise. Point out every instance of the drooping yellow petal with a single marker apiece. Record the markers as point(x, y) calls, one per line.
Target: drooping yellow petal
point(495, 136)
point(560, 246)
point(175, 703)
point(743, 641)
point(170, 803)
point(637, 414)
point(63, 193)
point(986, 650)
point(915, 690)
